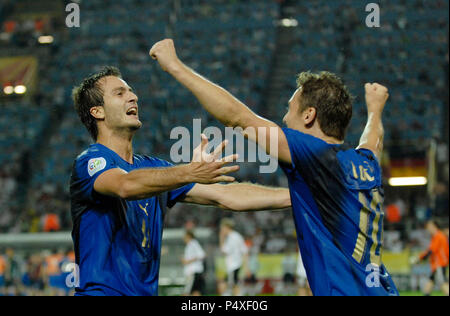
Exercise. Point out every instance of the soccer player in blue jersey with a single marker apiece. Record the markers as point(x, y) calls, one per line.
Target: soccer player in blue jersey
point(119, 199)
point(336, 190)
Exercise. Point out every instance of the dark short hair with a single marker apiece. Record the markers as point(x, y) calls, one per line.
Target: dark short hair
point(327, 93)
point(89, 94)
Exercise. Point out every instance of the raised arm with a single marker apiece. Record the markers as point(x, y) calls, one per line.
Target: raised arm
point(240, 197)
point(221, 104)
point(372, 137)
point(143, 183)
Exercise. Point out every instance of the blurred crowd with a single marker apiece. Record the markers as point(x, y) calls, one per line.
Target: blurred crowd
point(34, 273)
point(8, 184)
point(409, 54)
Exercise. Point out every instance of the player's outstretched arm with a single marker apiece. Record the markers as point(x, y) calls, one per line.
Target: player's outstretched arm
point(221, 104)
point(240, 197)
point(143, 183)
point(372, 137)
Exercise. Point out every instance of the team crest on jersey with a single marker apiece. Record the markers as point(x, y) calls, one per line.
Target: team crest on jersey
point(95, 165)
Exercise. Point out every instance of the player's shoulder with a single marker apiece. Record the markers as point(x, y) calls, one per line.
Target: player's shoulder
point(294, 135)
point(360, 167)
point(94, 159)
point(94, 150)
point(356, 154)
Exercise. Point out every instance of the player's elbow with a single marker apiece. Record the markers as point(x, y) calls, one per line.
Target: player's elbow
point(238, 119)
point(230, 204)
point(126, 190)
point(232, 122)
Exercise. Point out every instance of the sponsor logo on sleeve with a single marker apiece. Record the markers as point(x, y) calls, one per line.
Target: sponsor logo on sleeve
point(95, 165)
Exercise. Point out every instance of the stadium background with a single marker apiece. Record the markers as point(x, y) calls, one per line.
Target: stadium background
point(253, 48)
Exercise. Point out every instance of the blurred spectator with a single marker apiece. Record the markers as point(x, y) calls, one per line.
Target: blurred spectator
point(236, 257)
point(251, 281)
point(289, 267)
point(52, 272)
point(34, 275)
point(51, 222)
point(393, 214)
point(441, 200)
point(438, 254)
point(193, 261)
point(2, 275)
point(12, 273)
point(302, 278)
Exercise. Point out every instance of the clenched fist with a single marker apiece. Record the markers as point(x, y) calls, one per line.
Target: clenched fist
point(376, 97)
point(164, 52)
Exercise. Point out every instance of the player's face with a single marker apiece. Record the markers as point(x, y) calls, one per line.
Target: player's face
point(296, 119)
point(291, 119)
point(120, 105)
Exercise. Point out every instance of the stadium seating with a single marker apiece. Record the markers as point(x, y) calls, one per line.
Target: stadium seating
point(21, 124)
point(402, 55)
point(163, 104)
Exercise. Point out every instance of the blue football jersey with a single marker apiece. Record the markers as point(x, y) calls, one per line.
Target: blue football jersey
point(117, 242)
point(337, 198)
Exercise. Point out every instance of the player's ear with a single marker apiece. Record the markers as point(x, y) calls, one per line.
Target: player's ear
point(309, 115)
point(98, 112)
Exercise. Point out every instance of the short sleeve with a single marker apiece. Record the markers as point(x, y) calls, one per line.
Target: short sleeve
point(88, 167)
point(370, 156)
point(178, 194)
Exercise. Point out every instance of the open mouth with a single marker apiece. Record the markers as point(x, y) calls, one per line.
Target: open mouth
point(132, 111)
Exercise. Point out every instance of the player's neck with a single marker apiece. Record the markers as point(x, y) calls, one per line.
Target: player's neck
point(317, 132)
point(121, 144)
point(331, 140)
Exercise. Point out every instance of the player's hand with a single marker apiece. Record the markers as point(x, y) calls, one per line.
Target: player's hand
point(376, 97)
point(210, 168)
point(164, 52)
